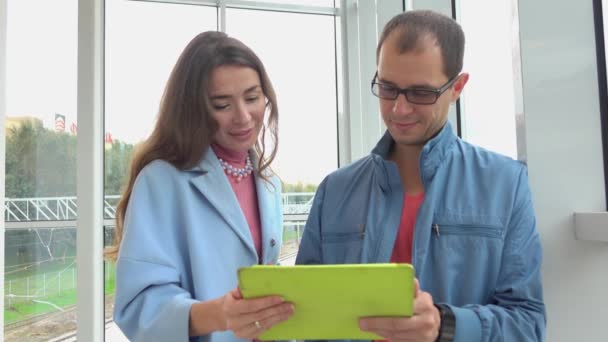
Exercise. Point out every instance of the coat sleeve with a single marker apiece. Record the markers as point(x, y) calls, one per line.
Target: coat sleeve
point(151, 303)
point(516, 311)
point(310, 251)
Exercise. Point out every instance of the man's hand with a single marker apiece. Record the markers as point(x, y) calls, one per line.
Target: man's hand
point(422, 326)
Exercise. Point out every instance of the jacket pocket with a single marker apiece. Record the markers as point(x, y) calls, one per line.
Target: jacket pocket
point(468, 255)
point(342, 237)
point(488, 231)
point(342, 248)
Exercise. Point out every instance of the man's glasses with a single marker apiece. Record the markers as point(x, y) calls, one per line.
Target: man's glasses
point(421, 96)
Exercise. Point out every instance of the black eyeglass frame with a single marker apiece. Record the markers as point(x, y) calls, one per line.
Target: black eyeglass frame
point(406, 91)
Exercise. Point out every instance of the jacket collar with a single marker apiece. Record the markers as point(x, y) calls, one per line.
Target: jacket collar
point(433, 152)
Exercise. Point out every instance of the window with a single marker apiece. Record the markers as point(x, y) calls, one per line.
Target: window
point(490, 98)
point(43, 54)
point(305, 84)
point(40, 182)
point(139, 59)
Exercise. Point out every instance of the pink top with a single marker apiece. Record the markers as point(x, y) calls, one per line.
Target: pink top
point(245, 193)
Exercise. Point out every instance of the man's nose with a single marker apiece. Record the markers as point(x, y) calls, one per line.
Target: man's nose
point(402, 105)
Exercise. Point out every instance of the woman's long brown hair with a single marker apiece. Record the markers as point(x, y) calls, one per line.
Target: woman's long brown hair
point(184, 129)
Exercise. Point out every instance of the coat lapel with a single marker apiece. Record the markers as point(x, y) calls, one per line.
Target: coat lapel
point(269, 221)
point(214, 185)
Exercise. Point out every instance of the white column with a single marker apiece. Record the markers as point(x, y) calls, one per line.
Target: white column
point(3, 28)
point(89, 245)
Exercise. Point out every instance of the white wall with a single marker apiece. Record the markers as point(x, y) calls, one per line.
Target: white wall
point(560, 93)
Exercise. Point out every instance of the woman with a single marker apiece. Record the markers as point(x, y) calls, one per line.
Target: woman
point(201, 202)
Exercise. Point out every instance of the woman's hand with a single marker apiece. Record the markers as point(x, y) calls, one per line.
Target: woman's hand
point(248, 318)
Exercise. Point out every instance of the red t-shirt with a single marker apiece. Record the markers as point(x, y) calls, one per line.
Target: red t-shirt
point(402, 251)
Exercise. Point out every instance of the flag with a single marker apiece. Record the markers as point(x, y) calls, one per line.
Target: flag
point(73, 128)
point(59, 123)
point(108, 141)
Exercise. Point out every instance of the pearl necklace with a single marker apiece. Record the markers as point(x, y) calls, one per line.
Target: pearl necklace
point(237, 172)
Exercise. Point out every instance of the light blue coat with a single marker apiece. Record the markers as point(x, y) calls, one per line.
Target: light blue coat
point(185, 236)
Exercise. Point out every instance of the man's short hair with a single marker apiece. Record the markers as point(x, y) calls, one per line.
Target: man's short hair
point(415, 27)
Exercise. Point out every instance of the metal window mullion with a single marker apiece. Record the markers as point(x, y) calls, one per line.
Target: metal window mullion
point(518, 86)
point(368, 37)
point(408, 5)
point(281, 7)
point(255, 5)
point(600, 17)
point(350, 120)
point(213, 3)
point(3, 29)
point(341, 62)
point(221, 20)
point(89, 242)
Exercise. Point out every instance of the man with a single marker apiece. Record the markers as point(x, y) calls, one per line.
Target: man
point(460, 214)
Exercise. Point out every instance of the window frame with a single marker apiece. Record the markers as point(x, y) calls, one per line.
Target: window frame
point(3, 29)
point(90, 165)
point(599, 6)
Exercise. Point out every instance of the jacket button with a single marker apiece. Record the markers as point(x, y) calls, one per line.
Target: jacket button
point(272, 242)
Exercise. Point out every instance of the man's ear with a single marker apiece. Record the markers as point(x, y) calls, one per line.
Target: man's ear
point(459, 86)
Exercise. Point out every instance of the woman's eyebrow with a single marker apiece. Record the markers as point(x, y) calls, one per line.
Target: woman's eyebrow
point(222, 97)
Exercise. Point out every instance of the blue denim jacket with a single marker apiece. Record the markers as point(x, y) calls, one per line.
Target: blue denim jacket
point(475, 245)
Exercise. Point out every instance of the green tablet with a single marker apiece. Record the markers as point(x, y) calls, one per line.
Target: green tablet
point(329, 299)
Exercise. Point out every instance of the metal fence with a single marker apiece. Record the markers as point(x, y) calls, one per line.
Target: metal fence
point(46, 288)
point(66, 208)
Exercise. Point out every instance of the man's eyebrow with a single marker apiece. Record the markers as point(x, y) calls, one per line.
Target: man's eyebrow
point(413, 86)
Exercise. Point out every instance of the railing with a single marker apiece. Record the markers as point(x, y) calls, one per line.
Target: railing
point(295, 204)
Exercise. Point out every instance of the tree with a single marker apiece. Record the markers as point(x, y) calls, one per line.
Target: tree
point(117, 161)
point(299, 187)
point(42, 163)
point(21, 161)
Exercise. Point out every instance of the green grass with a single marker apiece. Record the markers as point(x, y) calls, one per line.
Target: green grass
point(23, 308)
point(289, 235)
point(30, 269)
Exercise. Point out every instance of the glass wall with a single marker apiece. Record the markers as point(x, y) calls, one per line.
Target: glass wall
point(139, 58)
point(491, 101)
point(305, 83)
point(142, 43)
point(40, 181)
point(489, 98)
